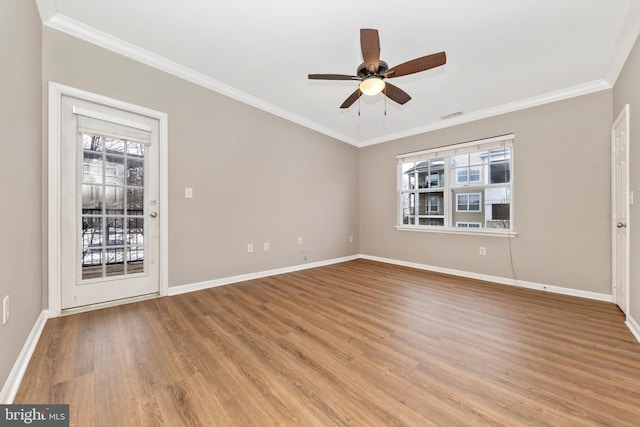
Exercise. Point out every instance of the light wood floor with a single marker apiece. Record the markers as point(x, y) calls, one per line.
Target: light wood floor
point(359, 343)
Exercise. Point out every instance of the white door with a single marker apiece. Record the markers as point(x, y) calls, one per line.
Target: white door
point(620, 208)
point(109, 197)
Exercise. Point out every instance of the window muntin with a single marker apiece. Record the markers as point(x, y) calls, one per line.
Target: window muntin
point(468, 184)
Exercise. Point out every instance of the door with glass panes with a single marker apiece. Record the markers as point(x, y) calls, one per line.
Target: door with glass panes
point(109, 187)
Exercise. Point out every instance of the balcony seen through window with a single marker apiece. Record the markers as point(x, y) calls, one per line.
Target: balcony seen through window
point(463, 186)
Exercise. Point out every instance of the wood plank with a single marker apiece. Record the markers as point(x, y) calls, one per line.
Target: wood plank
point(356, 343)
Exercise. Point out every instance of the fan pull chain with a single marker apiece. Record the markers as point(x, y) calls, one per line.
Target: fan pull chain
point(359, 105)
point(385, 100)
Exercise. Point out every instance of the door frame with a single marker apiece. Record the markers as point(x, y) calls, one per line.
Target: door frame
point(54, 205)
point(624, 115)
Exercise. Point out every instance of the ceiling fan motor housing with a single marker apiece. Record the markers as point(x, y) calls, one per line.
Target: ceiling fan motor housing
point(364, 73)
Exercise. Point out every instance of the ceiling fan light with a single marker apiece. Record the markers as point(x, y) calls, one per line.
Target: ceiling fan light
point(372, 86)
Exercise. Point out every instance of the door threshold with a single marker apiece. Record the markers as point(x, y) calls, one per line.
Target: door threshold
point(98, 306)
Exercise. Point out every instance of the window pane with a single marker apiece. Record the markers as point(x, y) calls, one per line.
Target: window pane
point(135, 260)
point(134, 149)
point(114, 145)
point(474, 202)
point(408, 176)
point(408, 208)
point(91, 232)
point(115, 231)
point(500, 211)
point(135, 201)
point(462, 202)
point(135, 231)
point(460, 160)
point(114, 200)
point(92, 143)
point(114, 261)
point(478, 158)
point(135, 254)
point(500, 172)
point(91, 264)
point(474, 174)
point(114, 170)
point(91, 199)
point(92, 167)
point(431, 203)
point(135, 172)
point(462, 175)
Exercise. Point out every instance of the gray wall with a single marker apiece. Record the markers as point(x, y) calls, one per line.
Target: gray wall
point(256, 177)
point(562, 198)
point(627, 91)
point(20, 174)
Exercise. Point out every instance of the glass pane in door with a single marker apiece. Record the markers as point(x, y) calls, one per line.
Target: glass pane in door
point(112, 203)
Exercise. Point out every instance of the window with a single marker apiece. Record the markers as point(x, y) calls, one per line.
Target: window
point(468, 202)
point(459, 186)
point(468, 224)
point(433, 204)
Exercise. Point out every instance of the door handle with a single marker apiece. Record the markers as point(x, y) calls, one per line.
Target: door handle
point(621, 225)
point(153, 214)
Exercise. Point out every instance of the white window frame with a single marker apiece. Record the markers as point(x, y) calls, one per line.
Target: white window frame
point(467, 224)
point(451, 184)
point(468, 169)
point(466, 179)
point(468, 204)
point(429, 204)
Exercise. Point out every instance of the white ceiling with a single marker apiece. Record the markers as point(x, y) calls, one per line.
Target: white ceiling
point(502, 55)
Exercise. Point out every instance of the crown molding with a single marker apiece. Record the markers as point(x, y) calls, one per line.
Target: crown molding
point(571, 92)
point(59, 22)
point(89, 34)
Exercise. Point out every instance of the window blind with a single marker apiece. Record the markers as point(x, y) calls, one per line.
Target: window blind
point(99, 124)
point(463, 148)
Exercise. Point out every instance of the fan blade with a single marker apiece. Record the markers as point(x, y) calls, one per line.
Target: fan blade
point(396, 94)
point(370, 43)
point(351, 99)
point(417, 65)
point(332, 77)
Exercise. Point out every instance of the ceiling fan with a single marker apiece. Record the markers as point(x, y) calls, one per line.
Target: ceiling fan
point(372, 72)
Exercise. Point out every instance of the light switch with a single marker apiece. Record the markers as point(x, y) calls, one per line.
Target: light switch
point(188, 193)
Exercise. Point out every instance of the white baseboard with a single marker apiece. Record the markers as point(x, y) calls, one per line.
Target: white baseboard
point(12, 384)
point(633, 327)
point(181, 289)
point(496, 279)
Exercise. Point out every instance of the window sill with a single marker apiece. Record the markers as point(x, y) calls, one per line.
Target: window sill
point(454, 230)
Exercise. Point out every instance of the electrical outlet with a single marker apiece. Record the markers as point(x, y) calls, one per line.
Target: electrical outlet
point(300, 240)
point(483, 250)
point(5, 310)
point(250, 247)
point(266, 247)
